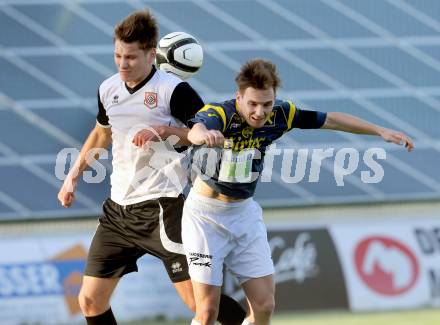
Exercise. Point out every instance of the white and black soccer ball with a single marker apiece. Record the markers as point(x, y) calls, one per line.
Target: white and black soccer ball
point(179, 53)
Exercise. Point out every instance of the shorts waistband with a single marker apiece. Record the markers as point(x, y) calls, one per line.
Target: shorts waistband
point(146, 202)
point(199, 201)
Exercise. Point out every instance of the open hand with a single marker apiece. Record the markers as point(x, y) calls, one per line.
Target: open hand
point(398, 138)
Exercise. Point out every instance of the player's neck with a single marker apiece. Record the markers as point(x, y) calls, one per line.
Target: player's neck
point(136, 84)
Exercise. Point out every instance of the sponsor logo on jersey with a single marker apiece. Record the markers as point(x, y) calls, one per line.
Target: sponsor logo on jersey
point(236, 121)
point(150, 100)
point(241, 144)
point(247, 132)
point(271, 120)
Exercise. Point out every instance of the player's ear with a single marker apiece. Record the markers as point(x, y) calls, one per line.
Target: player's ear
point(153, 53)
point(151, 56)
point(238, 96)
point(238, 99)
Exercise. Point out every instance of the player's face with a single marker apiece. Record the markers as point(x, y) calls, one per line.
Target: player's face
point(255, 105)
point(133, 63)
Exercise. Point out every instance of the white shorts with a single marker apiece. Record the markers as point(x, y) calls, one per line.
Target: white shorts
point(216, 233)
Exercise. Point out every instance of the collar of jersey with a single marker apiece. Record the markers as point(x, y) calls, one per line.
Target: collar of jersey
point(142, 83)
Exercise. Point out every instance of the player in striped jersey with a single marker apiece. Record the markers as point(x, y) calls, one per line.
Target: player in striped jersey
point(221, 222)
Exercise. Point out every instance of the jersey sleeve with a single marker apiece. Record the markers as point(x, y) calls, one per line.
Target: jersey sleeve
point(102, 117)
point(301, 118)
point(185, 102)
point(213, 117)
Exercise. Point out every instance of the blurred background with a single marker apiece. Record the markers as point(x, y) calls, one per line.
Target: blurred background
point(351, 246)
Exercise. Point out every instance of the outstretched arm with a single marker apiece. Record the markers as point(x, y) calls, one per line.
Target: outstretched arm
point(100, 137)
point(349, 123)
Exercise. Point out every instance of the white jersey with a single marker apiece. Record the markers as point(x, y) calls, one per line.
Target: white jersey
point(156, 170)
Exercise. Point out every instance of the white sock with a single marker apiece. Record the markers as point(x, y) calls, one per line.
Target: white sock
point(194, 322)
point(246, 322)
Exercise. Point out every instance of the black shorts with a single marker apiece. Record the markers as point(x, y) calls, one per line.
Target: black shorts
point(125, 233)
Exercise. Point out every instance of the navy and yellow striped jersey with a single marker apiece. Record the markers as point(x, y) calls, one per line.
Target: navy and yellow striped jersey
point(237, 170)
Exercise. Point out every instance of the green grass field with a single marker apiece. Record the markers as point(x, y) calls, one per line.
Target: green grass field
point(412, 317)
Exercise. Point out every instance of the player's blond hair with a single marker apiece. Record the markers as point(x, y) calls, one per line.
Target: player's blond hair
point(258, 74)
point(140, 26)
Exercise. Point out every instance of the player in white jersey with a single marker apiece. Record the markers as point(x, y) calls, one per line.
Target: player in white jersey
point(138, 107)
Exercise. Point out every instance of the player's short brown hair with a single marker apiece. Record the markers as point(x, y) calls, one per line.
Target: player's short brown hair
point(258, 74)
point(140, 26)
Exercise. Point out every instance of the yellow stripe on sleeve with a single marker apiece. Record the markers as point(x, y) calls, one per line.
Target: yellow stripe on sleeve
point(292, 110)
point(219, 110)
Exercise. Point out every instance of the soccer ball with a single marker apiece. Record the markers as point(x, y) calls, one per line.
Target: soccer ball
point(179, 53)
